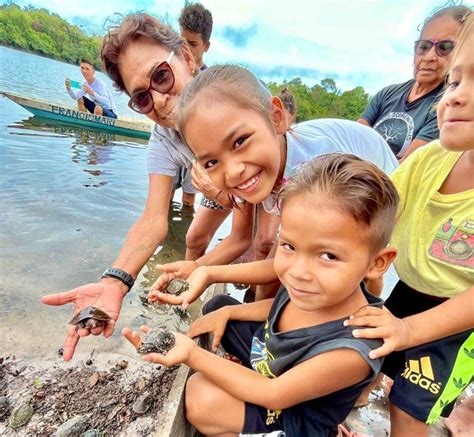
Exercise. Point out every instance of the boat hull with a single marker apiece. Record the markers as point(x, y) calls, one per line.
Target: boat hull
point(137, 129)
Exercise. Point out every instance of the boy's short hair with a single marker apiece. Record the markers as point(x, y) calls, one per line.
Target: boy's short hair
point(197, 19)
point(86, 61)
point(357, 187)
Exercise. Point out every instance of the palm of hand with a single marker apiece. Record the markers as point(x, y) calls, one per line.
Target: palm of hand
point(106, 297)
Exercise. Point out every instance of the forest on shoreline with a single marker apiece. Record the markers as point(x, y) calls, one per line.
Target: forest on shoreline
point(45, 33)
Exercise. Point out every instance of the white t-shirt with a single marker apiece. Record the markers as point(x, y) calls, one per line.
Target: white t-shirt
point(313, 138)
point(167, 153)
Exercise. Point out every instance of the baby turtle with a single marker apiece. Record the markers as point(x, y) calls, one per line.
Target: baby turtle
point(21, 415)
point(4, 406)
point(90, 318)
point(157, 340)
point(73, 427)
point(177, 286)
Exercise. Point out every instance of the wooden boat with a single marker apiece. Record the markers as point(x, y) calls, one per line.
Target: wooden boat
point(71, 116)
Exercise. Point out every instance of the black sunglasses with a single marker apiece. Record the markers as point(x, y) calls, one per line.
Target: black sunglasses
point(161, 80)
point(442, 48)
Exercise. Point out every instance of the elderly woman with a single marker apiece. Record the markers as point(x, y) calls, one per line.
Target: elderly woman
point(403, 113)
point(151, 63)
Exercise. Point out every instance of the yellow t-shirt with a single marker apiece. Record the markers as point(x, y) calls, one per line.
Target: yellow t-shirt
point(434, 234)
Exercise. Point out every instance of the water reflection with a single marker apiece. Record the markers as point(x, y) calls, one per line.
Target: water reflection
point(81, 135)
point(173, 249)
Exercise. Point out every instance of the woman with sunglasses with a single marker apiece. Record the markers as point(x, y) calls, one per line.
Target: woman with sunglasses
point(403, 113)
point(151, 63)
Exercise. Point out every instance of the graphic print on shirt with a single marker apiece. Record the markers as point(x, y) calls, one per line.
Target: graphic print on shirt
point(396, 128)
point(455, 244)
point(260, 356)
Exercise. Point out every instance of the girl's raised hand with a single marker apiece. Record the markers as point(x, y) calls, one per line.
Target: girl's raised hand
point(214, 323)
point(181, 269)
point(180, 352)
point(380, 323)
point(198, 282)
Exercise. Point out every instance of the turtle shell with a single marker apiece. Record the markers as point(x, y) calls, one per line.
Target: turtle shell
point(157, 340)
point(21, 415)
point(90, 317)
point(177, 286)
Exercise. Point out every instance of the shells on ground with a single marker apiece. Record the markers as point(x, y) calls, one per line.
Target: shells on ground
point(73, 427)
point(4, 406)
point(92, 433)
point(142, 404)
point(21, 415)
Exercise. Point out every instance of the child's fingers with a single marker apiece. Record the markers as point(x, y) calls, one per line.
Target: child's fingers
point(145, 329)
point(132, 336)
point(382, 351)
point(216, 341)
point(369, 321)
point(156, 358)
point(166, 298)
point(369, 333)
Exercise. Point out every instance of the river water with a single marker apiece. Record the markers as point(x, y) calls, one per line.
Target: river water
point(67, 199)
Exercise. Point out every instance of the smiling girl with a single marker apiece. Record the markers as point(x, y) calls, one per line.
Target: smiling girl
point(244, 142)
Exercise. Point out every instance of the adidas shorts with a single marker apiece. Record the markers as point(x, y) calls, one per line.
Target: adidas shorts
point(427, 378)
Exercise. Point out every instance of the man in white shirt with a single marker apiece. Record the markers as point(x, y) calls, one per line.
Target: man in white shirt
point(93, 96)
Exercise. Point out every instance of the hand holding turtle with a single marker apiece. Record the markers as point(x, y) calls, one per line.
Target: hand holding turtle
point(380, 323)
point(106, 296)
point(214, 323)
point(174, 352)
point(197, 283)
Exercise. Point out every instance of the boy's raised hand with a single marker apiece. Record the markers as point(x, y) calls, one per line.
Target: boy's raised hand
point(198, 282)
point(180, 352)
point(380, 323)
point(214, 322)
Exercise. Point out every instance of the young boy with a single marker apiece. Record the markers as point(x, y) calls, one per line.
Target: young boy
point(195, 24)
point(303, 370)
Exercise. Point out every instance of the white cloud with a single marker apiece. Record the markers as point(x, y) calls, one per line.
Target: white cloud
point(364, 42)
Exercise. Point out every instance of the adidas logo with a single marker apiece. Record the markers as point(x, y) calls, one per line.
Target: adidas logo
point(420, 372)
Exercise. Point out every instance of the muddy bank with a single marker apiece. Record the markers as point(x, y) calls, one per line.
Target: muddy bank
point(124, 399)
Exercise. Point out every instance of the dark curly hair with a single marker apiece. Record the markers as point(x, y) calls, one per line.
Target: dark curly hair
point(197, 19)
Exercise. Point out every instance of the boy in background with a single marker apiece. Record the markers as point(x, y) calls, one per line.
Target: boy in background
point(195, 24)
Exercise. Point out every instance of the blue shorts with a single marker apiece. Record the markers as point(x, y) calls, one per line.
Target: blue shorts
point(427, 378)
point(90, 106)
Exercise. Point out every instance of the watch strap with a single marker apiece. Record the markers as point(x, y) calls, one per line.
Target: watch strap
point(121, 275)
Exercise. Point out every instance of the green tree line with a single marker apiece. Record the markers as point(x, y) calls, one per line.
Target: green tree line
point(42, 32)
point(45, 33)
point(324, 100)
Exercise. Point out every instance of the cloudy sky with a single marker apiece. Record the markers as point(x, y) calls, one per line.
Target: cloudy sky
point(356, 42)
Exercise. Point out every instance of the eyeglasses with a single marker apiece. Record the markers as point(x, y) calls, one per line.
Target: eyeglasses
point(442, 48)
point(161, 80)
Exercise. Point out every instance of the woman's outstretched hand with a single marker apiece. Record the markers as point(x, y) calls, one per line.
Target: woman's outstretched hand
point(107, 296)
